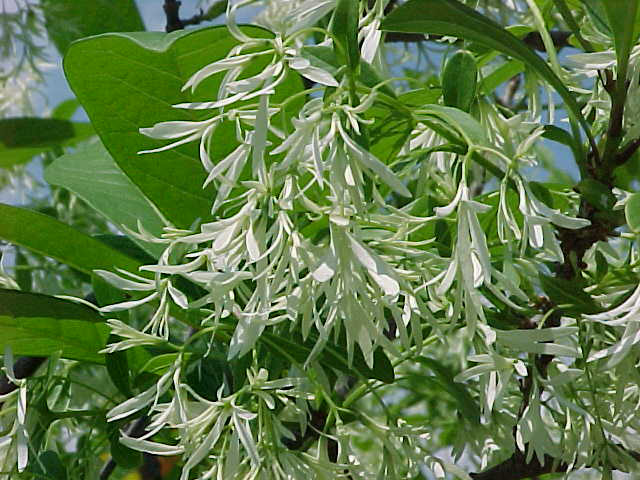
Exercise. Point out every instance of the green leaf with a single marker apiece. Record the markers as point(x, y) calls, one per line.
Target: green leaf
point(23, 275)
point(623, 17)
point(444, 376)
point(569, 295)
point(48, 465)
point(632, 212)
point(69, 20)
point(597, 194)
point(129, 81)
point(325, 58)
point(503, 73)
point(160, 364)
point(66, 109)
point(46, 235)
point(602, 266)
point(459, 80)
point(595, 10)
point(39, 325)
point(449, 17)
point(117, 362)
point(420, 97)
point(23, 138)
point(345, 30)
point(126, 246)
point(559, 135)
point(122, 455)
point(92, 175)
point(19, 132)
point(333, 356)
point(468, 127)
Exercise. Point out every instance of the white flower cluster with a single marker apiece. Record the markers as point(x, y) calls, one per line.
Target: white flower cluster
point(312, 231)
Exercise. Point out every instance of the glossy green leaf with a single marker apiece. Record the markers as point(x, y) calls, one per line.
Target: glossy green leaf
point(92, 175)
point(632, 212)
point(459, 80)
point(69, 20)
point(40, 325)
point(129, 81)
point(449, 17)
point(46, 235)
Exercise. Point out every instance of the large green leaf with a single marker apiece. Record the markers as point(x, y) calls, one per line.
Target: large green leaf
point(91, 173)
point(129, 81)
point(69, 20)
point(40, 325)
point(46, 235)
point(449, 17)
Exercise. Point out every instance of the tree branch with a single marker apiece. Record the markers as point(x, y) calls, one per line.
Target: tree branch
point(517, 468)
point(174, 22)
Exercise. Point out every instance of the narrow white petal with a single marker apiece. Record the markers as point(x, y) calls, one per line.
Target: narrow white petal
point(123, 283)
point(147, 446)
point(215, 67)
point(170, 130)
point(128, 305)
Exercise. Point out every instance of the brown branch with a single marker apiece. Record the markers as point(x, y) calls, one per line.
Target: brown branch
point(174, 22)
point(517, 468)
point(172, 12)
point(626, 152)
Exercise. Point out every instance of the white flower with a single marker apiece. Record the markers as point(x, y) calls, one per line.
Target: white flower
point(132, 337)
point(534, 430)
point(496, 372)
point(625, 315)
